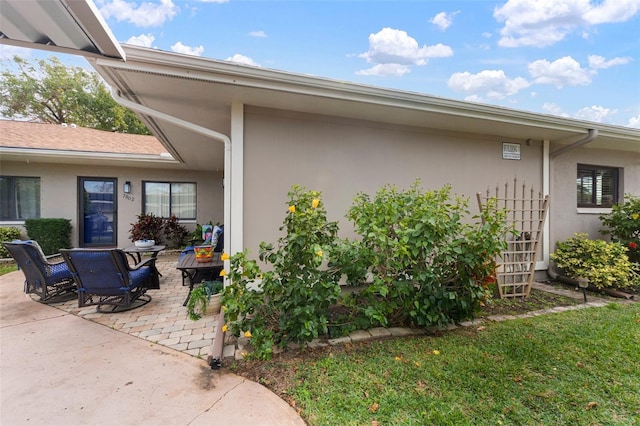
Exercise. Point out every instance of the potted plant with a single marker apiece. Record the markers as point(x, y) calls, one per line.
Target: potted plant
point(204, 299)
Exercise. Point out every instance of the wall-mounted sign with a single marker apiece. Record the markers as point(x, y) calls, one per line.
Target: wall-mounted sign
point(510, 151)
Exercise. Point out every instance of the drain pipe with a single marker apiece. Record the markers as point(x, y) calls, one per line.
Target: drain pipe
point(593, 133)
point(215, 358)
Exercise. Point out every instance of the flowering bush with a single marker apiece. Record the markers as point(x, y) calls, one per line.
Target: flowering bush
point(295, 294)
point(604, 264)
point(623, 225)
point(419, 261)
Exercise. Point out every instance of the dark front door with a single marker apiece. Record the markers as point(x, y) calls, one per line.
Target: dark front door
point(98, 211)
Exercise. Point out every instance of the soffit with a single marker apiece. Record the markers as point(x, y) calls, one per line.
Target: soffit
point(66, 26)
point(202, 90)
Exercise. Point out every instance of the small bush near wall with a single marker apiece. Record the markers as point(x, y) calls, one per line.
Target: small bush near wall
point(623, 224)
point(604, 264)
point(152, 227)
point(51, 234)
point(7, 234)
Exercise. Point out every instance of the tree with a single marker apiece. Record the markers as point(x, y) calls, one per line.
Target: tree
point(51, 92)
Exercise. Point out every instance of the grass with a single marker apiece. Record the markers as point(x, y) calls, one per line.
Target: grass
point(578, 367)
point(5, 268)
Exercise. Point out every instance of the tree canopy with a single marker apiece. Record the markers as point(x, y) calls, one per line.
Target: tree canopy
point(52, 92)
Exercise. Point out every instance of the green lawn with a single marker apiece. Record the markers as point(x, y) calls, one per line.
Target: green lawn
point(5, 268)
point(578, 368)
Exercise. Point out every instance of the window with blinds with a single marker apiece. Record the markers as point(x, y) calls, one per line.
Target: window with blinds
point(597, 186)
point(19, 198)
point(164, 199)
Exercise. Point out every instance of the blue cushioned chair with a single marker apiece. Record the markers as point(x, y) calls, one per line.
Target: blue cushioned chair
point(104, 278)
point(51, 281)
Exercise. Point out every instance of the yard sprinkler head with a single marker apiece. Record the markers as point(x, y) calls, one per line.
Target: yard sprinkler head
point(583, 283)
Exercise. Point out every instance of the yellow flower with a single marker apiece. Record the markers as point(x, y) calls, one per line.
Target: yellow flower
point(223, 273)
point(635, 216)
point(436, 352)
point(259, 276)
point(397, 358)
point(292, 209)
point(247, 334)
point(319, 253)
point(315, 203)
point(224, 256)
point(224, 328)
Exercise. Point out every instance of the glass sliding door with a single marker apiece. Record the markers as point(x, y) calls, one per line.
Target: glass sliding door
point(98, 211)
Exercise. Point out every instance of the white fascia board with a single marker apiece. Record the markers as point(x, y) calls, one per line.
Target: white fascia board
point(61, 154)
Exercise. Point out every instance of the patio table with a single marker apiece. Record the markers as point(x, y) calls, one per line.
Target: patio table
point(190, 268)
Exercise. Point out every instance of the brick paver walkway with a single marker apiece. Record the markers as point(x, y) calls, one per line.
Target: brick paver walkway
point(162, 321)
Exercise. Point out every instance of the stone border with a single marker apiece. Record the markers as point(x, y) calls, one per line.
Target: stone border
point(238, 349)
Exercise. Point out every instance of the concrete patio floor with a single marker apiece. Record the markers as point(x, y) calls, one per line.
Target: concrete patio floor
point(65, 366)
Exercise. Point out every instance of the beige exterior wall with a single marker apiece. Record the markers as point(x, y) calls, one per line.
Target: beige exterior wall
point(59, 186)
point(342, 157)
point(566, 219)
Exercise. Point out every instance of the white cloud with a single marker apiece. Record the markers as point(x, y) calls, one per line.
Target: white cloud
point(599, 62)
point(443, 20)
point(145, 14)
point(386, 70)
point(178, 47)
point(394, 51)
point(390, 46)
point(634, 122)
point(596, 113)
point(213, 1)
point(544, 22)
point(562, 72)
point(241, 59)
point(554, 109)
point(144, 40)
point(259, 34)
point(487, 34)
point(493, 84)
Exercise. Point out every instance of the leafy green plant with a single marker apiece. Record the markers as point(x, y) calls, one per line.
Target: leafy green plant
point(296, 292)
point(174, 232)
point(7, 234)
point(52, 234)
point(623, 224)
point(604, 264)
point(200, 297)
point(148, 227)
point(419, 261)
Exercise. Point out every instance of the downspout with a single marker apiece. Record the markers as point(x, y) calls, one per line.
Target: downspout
point(215, 359)
point(593, 133)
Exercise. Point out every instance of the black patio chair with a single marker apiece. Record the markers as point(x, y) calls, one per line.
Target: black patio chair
point(104, 278)
point(51, 281)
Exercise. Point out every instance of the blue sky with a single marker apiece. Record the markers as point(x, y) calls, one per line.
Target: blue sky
point(575, 58)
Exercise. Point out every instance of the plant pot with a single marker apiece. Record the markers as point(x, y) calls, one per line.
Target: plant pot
point(203, 253)
point(214, 305)
point(144, 243)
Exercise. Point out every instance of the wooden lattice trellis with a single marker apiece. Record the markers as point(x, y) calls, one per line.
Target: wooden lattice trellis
point(526, 215)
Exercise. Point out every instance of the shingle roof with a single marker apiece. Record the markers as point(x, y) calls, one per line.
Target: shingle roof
point(21, 134)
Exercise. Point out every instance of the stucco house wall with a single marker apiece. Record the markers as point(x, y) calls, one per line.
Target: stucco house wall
point(566, 218)
point(342, 157)
point(59, 186)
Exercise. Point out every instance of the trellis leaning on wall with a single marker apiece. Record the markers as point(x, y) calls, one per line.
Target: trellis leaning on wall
point(526, 213)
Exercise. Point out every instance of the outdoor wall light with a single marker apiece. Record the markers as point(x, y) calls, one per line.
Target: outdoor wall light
point(126, 188)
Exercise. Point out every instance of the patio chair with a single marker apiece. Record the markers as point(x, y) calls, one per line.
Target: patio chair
point(104, 278)
point(51, 281)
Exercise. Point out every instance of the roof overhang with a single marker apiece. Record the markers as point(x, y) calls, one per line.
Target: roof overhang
point(202, 91)
point(64, 26)
point(53, 156)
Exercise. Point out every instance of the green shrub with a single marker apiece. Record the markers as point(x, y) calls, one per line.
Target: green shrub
point(296, 293)
point(7, 234)
point(604, 264)
point(419, 261)
point(623, 223)
point(51, 234)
